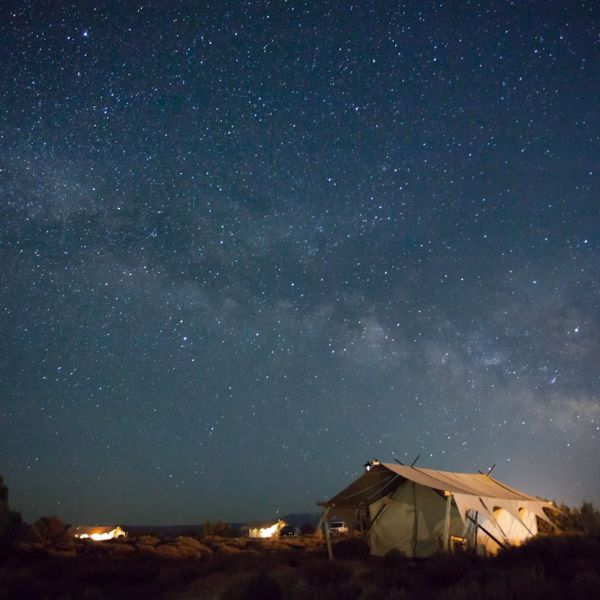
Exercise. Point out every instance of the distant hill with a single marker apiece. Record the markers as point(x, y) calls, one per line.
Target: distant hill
point(164, 530)
point(299, 519)
point(294, 519)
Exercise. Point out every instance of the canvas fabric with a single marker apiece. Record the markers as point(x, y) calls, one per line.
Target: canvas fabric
point(411, 520)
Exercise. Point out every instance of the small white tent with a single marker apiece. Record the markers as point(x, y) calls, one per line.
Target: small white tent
point(97, 533)
point(264, 530)
point(422, 511)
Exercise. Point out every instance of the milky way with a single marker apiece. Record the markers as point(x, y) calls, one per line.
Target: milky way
point(246, 247)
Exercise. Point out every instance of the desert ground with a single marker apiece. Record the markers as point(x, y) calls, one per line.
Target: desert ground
point(215, 567)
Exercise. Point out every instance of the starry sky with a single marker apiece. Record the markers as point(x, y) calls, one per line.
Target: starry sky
point(247, 246)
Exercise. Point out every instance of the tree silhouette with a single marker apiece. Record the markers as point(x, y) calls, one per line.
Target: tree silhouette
point(585, 519)
point(10, 522)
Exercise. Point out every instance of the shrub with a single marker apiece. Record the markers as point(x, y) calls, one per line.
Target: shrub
point(148, 540)
point(585, 519)
point(445, 569)
point(307, 529)
point(324, 572)
point(189, 547)
point(114, 573)
point(167, 551)
point(351, 549)
point(119, 549)
point(585, 585)
point(227, 549)
point(217, 528)
point(258, 586)
point(48, 531)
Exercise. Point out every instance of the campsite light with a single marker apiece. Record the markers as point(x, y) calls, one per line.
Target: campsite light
point(370, 464)
point(267, 532)
point(98, 534)
point(99, 537)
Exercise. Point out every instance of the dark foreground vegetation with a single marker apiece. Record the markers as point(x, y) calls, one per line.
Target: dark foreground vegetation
point(551, 567)
point(43, 561)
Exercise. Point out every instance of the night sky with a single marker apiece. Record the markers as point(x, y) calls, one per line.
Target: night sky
point(246, 246)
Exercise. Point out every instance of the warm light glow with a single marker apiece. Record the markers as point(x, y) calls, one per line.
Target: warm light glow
point(268, 532)
point(100, 537)
point(265, 532)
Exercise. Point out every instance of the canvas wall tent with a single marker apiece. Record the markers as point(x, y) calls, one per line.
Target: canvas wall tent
point(422, 511)
point(96, 533)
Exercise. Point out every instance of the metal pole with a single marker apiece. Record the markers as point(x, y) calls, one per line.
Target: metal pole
point(327, 536)
point(447, 522)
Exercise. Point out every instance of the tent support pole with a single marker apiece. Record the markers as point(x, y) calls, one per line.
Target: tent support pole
point(327, 535)
point(447, 523)
point(365, 531)
point(491, 536)
point(320, 523)
point(466, 525)
point(354, 523)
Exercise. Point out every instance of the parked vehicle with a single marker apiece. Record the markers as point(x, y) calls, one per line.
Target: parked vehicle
point(288, 531)
point(337, 528)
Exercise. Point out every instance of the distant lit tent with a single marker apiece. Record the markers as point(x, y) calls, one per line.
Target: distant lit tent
point(423, 511)
point(96, 533)
point(263, 530)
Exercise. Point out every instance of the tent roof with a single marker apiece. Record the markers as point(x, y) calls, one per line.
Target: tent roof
point(385, 477)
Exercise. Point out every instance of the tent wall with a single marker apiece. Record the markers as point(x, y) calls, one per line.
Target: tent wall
point(506, 528)
point(411, 520)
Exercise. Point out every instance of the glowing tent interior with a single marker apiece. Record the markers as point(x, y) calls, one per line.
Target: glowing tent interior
point(97, 533)
point(422, 511)
point(264, 530)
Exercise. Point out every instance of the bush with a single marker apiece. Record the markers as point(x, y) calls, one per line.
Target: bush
point(48, 531)
point(167, 551)
point(527, 583)
point(218, 528)
point(189, 547)
point(585, 519)
point(325, 572)
point(585, 585)
point(258, 586)
point(114, 574)
point(352, 548)
point(307, 529)
point(394, 572)
point(228, 549)
point(147, 540)
point(445, 569)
